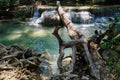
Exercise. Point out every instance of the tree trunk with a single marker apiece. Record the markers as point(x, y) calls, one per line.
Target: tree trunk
point(75, 35)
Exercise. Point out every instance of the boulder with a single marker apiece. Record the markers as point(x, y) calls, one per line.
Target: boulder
point(49, 18)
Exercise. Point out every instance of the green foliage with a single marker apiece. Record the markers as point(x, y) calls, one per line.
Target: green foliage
point(22, 14)
point(8, 3)
point(11, 3)
point(114, 43)
point(113, 36)
point(117, 66)
point(113, 62)
point(112, 1)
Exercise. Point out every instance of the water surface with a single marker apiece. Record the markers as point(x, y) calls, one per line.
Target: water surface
point(39, 38)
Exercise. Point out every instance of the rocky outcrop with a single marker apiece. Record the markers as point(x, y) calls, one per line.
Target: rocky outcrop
point(49, 18)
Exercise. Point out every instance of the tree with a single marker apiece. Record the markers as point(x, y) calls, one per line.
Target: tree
point(81, 45)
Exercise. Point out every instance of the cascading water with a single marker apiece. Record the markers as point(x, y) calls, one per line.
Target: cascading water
point(36, 13)
point(82, 17)
point(87, 23)
point(48, 18)
point(35, 17)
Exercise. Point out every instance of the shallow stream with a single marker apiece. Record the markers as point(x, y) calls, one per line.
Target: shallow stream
point(39, 38)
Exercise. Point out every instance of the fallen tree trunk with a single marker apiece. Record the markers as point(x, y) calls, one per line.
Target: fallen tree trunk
point(78, 38)
point(84, 50)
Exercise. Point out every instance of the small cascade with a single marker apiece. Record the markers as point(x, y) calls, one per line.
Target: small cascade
point(103, 19)
point(34, 20)
point(36, 13)
point(50, 17)
point(82, 17)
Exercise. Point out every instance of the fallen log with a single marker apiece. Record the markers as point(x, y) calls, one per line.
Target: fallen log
point(79, 41)
point(62, 46)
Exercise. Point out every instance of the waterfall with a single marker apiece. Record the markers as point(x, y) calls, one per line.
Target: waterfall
point(34, 20)
point(82, 17)
point(36, 13)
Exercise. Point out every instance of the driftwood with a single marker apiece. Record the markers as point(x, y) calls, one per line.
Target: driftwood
point(21, 61)
point(79, 42)
point(63, 45)
point(77, 37)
